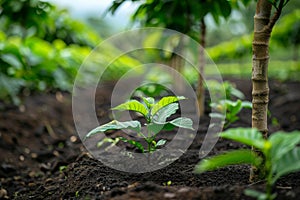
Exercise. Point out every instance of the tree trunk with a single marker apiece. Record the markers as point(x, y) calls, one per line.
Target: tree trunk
point(263, 25)
point(200, 87)
point(177, 63)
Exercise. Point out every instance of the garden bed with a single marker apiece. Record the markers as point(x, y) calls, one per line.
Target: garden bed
point(42, 157)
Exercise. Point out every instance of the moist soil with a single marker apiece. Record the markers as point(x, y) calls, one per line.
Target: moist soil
point(42, 156)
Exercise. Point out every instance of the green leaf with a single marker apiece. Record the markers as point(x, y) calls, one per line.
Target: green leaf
point(183, 122)
point(161, 142)
point(282, 143)
point(236, 157)
point(225, 8)
point(258, 195)
point(155, 128)
point(248, 136)
point(133, 105)
point(247, 104)
point(164, 102)
point(216, 115)
point(289, 162)
point(149, 101)
point(107, 140)
point(234, 107)
point(163, 113)
point(235, 92)
point(12, 60)
point(116, 125)
point(134, 143)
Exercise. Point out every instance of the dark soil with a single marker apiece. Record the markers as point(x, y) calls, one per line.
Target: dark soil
point(43, 158)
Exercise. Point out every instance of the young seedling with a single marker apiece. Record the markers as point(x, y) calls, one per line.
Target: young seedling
point(231, 108)
point(279, 156)
point(155, 114)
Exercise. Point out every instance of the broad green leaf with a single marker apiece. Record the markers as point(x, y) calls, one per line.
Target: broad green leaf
point(133, 105)
point(282, 143)
point(164, 102)
point(248, 136)
point(225, 8)
point(161, 142)
point(233, 107)
point(116, 125)
point(134, 143)
point(288, 163)
point(155, 128)
point(243, 156)
point(183, 122)
point(163, 113)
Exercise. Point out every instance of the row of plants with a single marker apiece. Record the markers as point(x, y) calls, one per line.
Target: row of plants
point(37, 56)
point(290, 71)
point(274, 157)
point(37, 65)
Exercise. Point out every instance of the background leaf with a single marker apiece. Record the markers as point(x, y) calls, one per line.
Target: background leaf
point(289, 162)
point(282, 143)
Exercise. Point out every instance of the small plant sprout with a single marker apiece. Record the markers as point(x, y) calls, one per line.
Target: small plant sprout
point(155, 114)
point(168, 183)
point(77, 194)
point(279, 155)
point(231, 108)
point(231, 105)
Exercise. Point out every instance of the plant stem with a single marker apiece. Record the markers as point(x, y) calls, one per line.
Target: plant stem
point(260, 88)
point(263, 25)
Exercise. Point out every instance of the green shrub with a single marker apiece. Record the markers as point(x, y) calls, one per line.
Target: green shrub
point(279, 155)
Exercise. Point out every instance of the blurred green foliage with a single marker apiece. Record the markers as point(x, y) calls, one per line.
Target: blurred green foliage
point(287, 31)
point(286, 34)
point(36, 64)
point(26, 18)
point(42, 47)
point(182, 16)
point(233, 49)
